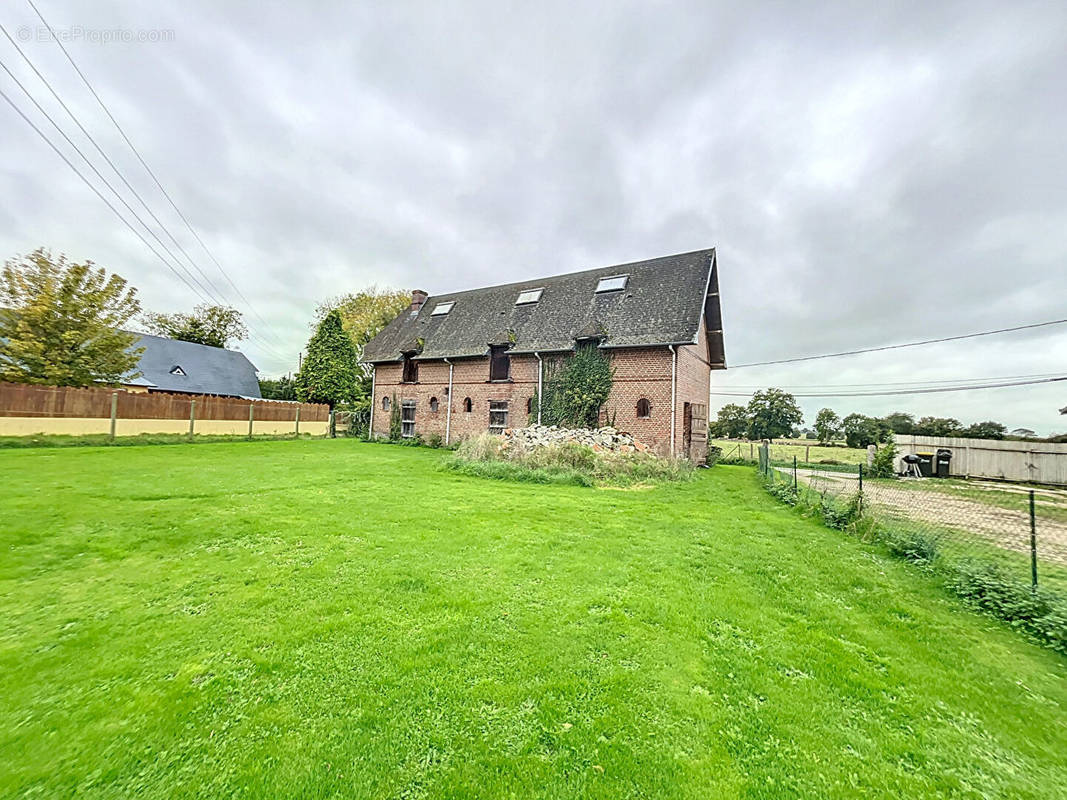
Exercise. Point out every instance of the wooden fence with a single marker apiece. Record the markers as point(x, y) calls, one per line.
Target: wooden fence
point(27, 409)
point(1030, 462)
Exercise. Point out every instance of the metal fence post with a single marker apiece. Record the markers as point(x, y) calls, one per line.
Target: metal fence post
point(297, 421)
point(794, 473)
point(251, 417)
point(859, 497)
point(192, 417)
point(1033, 543)
point(333, 425)
point(114, 411)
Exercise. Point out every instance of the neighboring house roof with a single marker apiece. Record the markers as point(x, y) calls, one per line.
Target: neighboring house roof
point(169, 365)
point(663, 302)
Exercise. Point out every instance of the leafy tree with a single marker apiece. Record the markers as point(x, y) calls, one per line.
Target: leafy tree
point(937, 426)
point(772, 413)
point(985, 430)
point(215, 326)
point(365, 313)
point(64, 323)
point(279, 389)
point(328, 374)
point(899, 422)
point(861, 430)
point(731, 422)
point(827, 425)
point(576, 388)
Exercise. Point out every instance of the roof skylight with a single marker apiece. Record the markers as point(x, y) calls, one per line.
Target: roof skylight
point(612, 284)
point(441, 309)
point(528, 296)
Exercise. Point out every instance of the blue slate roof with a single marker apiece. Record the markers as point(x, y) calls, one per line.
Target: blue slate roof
point(172, 366)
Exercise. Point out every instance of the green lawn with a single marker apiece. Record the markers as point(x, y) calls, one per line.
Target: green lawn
point(324, 619)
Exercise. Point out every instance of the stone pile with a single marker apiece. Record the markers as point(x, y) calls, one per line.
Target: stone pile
point(599, 439)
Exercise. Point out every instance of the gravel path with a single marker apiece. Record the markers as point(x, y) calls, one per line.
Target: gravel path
point(1005, 527)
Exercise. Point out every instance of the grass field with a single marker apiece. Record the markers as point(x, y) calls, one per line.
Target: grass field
point(802, 449)
point(325, 619)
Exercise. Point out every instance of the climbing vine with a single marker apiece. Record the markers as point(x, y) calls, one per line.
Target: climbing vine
point(575, 388)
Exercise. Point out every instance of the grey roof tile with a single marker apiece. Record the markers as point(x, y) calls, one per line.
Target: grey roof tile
point(661, 304)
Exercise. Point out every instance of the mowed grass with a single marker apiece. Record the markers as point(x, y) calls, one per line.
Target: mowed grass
point(323, 619)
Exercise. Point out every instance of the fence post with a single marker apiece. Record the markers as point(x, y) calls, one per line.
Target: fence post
point(794, 473)
point(192, 417)
point(251, 417)
point(751, 454)
point(114, 411)
point(1033, 543)
point(333, 425)
point(298, 420)
point(860, 496)
point(807, 454)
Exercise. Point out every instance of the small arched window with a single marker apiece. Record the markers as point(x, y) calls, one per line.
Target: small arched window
point(644, 409)
point(467, 405)
point(529, 405)
point(433, 404)
point(385, 403)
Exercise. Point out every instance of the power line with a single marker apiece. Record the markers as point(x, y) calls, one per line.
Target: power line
point(899, 346)
point(99, 149)
point(933, 390)
point(96, 191)
point(203, 292)
point(878, 384)
point(144, 164)
point(206, 292)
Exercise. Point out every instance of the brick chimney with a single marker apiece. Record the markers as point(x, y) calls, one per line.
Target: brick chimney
point(418, 297)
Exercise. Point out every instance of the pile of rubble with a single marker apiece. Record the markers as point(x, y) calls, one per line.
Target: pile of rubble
point(600, 439)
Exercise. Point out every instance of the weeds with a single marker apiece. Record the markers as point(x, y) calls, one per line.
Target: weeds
point(487, 456)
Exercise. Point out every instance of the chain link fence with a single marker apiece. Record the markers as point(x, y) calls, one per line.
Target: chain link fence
point(1001, 545)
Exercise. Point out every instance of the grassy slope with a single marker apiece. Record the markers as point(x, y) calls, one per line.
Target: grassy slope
point(328, 618)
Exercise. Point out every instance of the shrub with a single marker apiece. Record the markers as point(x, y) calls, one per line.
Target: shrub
point(911, 545)
point(1042, 614)
point(883, 465)
point(435, 441)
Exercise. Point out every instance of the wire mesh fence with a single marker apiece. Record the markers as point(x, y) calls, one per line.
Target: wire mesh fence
point(1015, 531)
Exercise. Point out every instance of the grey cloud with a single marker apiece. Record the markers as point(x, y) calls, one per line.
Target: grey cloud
point(870, 173)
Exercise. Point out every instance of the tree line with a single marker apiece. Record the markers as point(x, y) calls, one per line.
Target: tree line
point(774, 414)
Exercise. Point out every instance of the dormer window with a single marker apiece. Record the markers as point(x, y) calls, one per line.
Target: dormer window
point(441, 309)
point(499, 363)
point(177, 370)
point(612, 284)
point(527, 296)
point(411, 370)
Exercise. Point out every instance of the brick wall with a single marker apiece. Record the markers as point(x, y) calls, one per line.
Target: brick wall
point(639, 373)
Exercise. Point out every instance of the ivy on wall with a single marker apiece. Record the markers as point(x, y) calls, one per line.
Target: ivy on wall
point(575, 388)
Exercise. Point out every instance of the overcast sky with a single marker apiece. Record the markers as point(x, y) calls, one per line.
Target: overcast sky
point(869, 174)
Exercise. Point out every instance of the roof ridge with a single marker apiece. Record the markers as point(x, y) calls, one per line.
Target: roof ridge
point(531, 281)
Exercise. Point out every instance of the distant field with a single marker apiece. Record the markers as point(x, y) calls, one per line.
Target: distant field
point(785, 450)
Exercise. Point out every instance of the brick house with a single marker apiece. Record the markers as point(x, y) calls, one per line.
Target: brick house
point(467, 362)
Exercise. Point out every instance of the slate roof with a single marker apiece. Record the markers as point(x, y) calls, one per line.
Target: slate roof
point(208, 370)
point(662, 303)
